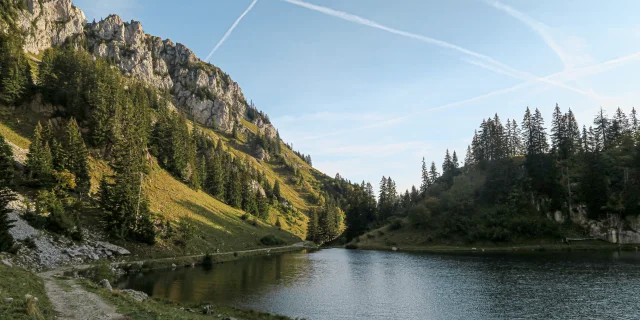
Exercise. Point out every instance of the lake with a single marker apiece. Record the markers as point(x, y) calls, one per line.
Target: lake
point(354, 284)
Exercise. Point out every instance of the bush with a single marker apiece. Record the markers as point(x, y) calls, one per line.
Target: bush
point(270, 240)
point(395, 225)
point(351, 246)
point(207, 262)
point(244, 217)
point(185, 232)
point(99, 272)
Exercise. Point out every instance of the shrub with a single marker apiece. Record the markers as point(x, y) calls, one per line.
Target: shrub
point(351, 246)
point(207, 262)
point(98, 272)
point(270, 240)
point(185, 232)
point(395, 225)
point(244, 217)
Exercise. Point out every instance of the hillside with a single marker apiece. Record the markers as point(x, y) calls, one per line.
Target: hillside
point(125, 87)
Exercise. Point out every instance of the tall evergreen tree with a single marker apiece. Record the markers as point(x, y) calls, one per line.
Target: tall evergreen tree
point(6, 195)
point(39, 160)
point(454, 161)
point(433, 173)
point(426, 182)
point(602, 129)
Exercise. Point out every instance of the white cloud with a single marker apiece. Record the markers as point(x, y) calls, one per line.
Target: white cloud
point(228, 33)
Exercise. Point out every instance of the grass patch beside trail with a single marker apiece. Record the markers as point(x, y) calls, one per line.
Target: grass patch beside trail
point(160, 310)
point(16, 283)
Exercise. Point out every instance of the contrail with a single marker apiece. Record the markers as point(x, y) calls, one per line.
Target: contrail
point(574, 73)
point(537, 26)
point(493, 65)
point(233, 26)
point(369, 23)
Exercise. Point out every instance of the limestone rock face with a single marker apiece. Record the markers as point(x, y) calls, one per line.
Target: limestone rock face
point(200, 89)
point(50, 23)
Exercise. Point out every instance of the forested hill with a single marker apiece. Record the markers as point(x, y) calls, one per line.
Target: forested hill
point(124, 132)
point(520, 183)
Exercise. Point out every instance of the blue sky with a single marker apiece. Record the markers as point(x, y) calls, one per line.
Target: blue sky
point(369, 87)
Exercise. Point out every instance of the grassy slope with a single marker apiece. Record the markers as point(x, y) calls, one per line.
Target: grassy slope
point(16, 283)
point(218, 226)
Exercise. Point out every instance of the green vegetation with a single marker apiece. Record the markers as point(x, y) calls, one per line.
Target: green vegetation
point(16, 283)
point(156, 309)
point(512, 179)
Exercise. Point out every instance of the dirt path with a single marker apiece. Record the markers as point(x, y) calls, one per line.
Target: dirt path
point(72, 302)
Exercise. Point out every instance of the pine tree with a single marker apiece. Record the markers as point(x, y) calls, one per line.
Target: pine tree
point(447, 164)
point(634, 122)
point(602, 129)
point(468, 158)
point(6, 239)
point(515, 138)
point(558, 131)
point(433, 173)
point(426, 182)
point(39, 160)
point(454, 161)
point(75, 151)
point(276, 191)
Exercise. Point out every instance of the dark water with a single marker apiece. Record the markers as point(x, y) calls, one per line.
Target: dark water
point(348, 284)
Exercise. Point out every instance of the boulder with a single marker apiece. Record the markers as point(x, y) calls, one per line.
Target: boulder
point(136, 295)
point(208, 309)
point(105, 284)
point(113, 248)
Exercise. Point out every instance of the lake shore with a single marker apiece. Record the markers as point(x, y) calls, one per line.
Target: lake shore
point(479, 248)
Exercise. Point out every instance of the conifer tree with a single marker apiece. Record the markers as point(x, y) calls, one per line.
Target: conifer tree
point(75, 155)
point(454, 161)
point(634, 122)
point(426, 182)
point(6, 195)
point(446, 164)
point(276, 190)
point(557, 129)
point(39, 160)
point(433, 173)
point(468, 158)
point(601, 130)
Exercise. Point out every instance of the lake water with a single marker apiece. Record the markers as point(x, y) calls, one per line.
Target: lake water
point(352, 284)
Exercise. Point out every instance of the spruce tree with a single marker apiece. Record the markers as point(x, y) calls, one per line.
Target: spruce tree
point(557, 129)
point(433, 173)
point(39, 163)
point(6, 195)
point(425, 178)
point(602, 129)
point(446, 164)
point(76, 155)
point(276, 191)
point(454, 161)
point(634, 122)
point(6, 239)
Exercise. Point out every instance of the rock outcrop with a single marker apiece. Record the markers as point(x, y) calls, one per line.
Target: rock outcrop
point(50, 23)
point(613, 229)
point(42, 251)
point(200, 89)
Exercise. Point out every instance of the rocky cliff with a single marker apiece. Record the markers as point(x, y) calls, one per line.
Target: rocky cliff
point(200, 89)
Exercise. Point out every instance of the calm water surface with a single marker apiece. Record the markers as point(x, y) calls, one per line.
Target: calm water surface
point(348, 284)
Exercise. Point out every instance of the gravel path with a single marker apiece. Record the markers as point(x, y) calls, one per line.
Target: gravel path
point(72, 302)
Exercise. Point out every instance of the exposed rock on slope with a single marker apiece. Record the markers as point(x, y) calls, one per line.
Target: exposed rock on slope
point(50, 23)
point(200, 89)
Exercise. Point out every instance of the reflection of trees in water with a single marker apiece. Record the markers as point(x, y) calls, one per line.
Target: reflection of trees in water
point(224, 282)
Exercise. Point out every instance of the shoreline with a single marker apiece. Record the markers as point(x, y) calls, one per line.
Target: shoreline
point(501, 249)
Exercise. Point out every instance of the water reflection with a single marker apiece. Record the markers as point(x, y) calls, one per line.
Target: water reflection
point(343, 284)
